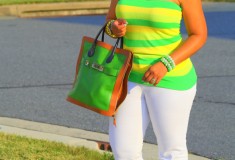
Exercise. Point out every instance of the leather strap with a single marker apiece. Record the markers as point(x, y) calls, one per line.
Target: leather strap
point(91, 52)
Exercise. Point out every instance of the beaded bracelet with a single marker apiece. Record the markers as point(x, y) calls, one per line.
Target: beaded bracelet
point(171, 61)
point(168, 62)
point(108, 29)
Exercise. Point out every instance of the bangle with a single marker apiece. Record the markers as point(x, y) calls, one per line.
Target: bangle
point(168, 62)
point(108, 29)
point(171, 61)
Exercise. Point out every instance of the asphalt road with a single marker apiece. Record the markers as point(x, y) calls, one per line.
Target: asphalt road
point(37, 66)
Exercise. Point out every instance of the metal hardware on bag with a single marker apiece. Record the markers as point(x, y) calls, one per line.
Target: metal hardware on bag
point(87, 63)
point(97, 67)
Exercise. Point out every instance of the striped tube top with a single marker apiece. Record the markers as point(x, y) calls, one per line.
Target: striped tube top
point(153, 31)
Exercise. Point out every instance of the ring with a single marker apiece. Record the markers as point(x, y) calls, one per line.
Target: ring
point(153, 81)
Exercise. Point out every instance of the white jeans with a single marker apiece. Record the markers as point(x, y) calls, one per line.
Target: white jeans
point(167, 109)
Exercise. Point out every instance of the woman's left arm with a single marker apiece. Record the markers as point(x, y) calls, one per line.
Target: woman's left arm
point(197, 34)
point(196, 27)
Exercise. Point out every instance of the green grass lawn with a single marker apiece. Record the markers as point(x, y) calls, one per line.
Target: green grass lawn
point(14, 147)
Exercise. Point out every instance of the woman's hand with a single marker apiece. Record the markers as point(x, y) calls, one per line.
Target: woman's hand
point(119, 27)
point(155, 73)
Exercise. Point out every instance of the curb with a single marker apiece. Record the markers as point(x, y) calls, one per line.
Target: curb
point(55, 9)
point(70, 136)
point(49, 136)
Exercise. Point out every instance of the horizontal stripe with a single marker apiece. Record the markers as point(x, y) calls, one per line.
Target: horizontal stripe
point(141, 9)
point(155, 58)
point(163, 33)
point(155, 14)
point(147, 61)
point(178, 82)
point(151, 43)
point(149, 23)
point(151, 4)
point(158, 50)
point(181, 69)
point(142, 66)
point(153, 17)
point(145, 35)
point(150, 56)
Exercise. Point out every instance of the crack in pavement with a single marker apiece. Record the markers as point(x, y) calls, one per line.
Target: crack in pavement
point(36, 86)
point(198, 98)
point(67, 84)
point(216, 76)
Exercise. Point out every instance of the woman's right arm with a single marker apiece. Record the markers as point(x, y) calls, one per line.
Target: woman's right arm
point(111, 13)
point(119, 25)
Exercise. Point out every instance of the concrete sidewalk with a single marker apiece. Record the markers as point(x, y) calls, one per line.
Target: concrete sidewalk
point(211, 129)
point(55, 9)
point(69, 136)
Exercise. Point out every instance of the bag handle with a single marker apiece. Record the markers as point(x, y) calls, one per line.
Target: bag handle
point(91, 52)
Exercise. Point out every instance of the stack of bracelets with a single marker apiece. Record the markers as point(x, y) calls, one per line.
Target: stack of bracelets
point(168, 62)
point(108, 29)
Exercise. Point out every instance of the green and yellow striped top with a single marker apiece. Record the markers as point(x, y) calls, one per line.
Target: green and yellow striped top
point(153, 31)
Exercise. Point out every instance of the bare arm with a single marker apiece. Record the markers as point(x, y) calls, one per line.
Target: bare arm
point(197, 34)
point(196, 27)
point(111, 13)
point(118, 26)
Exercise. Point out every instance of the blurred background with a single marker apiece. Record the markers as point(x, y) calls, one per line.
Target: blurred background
point(39, 45)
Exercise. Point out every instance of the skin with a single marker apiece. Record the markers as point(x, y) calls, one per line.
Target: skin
point(197, 34)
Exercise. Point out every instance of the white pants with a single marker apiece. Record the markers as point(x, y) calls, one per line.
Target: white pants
point(167, 109)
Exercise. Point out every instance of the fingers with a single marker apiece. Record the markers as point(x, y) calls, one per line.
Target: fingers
point(122, 21)
point(119, 27)
point(154, 74)
point(150, 78)
point(157, 81)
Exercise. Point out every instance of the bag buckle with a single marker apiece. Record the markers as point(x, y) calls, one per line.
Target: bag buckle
point(97, 67)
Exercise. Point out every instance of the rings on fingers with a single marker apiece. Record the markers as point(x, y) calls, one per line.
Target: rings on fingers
point(153, 81)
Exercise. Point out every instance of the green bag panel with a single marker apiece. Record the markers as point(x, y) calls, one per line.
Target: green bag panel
point(93, 85)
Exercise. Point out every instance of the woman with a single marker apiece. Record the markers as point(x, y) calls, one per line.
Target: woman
point(162, 83)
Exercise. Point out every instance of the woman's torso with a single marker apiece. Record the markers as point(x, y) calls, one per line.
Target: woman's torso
point(153, 31)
